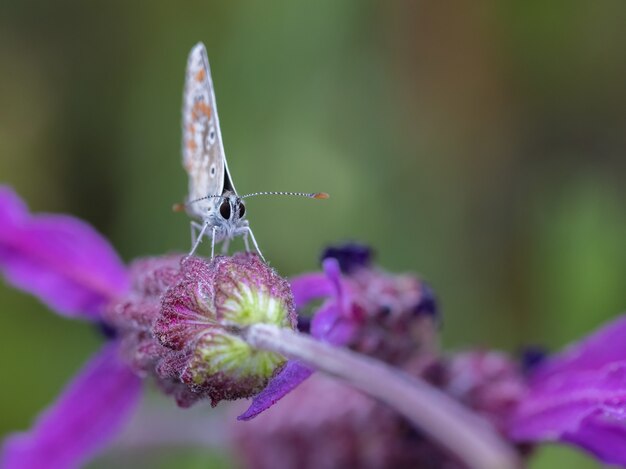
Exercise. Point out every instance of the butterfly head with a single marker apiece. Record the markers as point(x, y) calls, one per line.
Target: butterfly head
point(231, 207)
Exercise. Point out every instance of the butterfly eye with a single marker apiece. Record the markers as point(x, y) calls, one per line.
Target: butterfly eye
point(242, 209)
point(225, 210)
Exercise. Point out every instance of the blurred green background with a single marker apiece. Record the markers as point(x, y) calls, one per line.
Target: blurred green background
point(481, 144)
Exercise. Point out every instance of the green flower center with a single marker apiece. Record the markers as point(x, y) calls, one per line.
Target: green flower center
point(223, 352)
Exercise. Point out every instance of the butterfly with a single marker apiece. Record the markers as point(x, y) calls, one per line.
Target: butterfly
point(213, 203)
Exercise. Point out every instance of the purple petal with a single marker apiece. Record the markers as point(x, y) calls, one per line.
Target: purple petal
point(333, 273)
point(308, 287)
point(87, 415)
point(559, 405)
point(13, 210)
point(60, 259)
point(325, 319)
point(602, 435)
point(341, 289)
point(604, 346)
point(286, 381)
point(579, 396)
point(330, 325)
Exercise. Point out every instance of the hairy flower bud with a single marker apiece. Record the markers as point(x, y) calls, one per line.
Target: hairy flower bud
point(200, 317)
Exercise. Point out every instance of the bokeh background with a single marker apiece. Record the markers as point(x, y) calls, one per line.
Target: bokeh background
point(481, 144)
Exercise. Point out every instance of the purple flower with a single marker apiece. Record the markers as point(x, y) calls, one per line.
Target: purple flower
point(323, 423)
point(354, 309)
point(579, 397)
point(217, 330)
point(172, 318)
point(71, 268)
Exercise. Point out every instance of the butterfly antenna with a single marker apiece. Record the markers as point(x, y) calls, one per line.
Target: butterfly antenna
point(178, 207)
point(312, 195)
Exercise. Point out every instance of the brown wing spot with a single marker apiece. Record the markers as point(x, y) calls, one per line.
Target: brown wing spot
point(200, 108)
point(191, 145)
point(200, 75)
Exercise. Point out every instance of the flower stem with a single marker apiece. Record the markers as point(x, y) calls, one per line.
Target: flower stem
point(446, 421)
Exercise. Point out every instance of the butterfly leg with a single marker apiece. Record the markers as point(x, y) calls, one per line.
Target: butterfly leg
point(225, 245)
point(245, 241)
point(194, 227)
point(256, 246)
point(213, 242)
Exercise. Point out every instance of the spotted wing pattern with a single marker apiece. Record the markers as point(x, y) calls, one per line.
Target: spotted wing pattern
point(203, 150)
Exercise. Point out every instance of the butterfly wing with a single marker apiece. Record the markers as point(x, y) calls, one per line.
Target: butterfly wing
point(203, 150)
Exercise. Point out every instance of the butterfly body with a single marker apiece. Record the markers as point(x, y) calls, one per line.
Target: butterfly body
point(218, 211)
point(212, 201)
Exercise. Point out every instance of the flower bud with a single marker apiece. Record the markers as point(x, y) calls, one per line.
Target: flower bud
point(201, 314)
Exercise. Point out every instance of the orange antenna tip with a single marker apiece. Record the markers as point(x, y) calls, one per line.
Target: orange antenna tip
point(321, 195)
point(178, 207)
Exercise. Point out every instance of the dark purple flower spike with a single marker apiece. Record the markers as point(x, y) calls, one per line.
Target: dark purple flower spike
point(579, 397)
point(69, 266)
